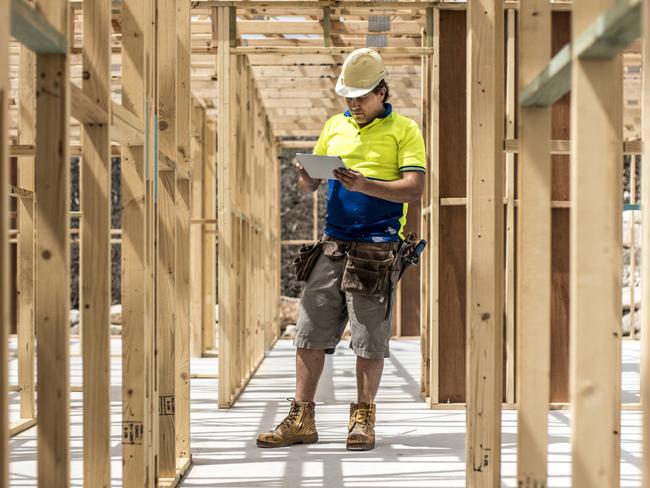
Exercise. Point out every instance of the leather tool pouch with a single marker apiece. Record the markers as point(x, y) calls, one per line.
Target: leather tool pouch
point(367, 271)
point(307, 257)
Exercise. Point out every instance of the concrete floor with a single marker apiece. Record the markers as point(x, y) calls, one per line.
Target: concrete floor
point(416, 446)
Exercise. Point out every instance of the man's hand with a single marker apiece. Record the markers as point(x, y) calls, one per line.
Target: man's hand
point(352, 180)
point(306, 182)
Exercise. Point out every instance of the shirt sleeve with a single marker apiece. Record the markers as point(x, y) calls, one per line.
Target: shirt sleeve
point(410, 152)
point(321, 145)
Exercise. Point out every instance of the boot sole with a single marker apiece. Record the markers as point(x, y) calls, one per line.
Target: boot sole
point(304, 440)
point(359, 447)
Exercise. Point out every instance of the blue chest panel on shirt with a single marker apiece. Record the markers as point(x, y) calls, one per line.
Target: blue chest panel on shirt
point(355, 216)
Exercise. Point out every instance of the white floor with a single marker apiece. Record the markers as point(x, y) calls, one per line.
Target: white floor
point(417, 446)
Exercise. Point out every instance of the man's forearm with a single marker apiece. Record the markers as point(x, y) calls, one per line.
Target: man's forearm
point(398, 191)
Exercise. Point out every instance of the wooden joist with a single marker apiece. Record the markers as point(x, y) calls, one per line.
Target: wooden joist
point(604, 38)
point(32, 28)
point(610, 33)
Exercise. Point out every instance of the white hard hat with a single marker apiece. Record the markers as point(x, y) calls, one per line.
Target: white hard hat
point(362, 71)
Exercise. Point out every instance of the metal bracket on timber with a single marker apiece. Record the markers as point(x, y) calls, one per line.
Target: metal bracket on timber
point(32, 30)
point(603, 39)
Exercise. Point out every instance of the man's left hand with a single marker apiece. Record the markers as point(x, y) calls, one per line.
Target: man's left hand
point(352, 180)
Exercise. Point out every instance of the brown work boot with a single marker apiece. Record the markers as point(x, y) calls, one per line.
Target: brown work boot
point(299, 427)
point(361, 428)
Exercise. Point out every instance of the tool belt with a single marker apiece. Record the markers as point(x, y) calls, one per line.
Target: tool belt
point(371, 269)
point(306, 260)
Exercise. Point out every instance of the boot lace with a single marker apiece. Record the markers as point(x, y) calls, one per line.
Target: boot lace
point(361, 416)
point(293, 413)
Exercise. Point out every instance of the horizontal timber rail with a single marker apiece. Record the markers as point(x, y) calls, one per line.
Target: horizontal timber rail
point(333, 4)
point(336, 4)
point(32, 30)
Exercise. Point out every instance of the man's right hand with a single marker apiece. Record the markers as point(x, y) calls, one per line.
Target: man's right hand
point(306, 182)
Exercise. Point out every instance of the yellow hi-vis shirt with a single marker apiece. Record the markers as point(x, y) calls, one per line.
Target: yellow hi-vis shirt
point(382, 150)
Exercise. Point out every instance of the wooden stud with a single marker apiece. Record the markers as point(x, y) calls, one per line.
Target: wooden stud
point(510, 210)
point(182, 347)
point(533, 254)
point(25, 328)
point(645, 256)
point(485, 242)
point(51, 267)
point(224, 193)
point(166, 298)
point(95, 267)
point(196, 233)
point(183, 138)
point(166, 276)
point(208, 272)
point(596, 242)
point(5, 268)
point(137, 329)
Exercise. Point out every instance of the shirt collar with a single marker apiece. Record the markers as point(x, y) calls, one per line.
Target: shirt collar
point(388, 109)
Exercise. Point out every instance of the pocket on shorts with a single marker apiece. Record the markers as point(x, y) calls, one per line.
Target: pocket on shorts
point(306, 260)
point(367, 275)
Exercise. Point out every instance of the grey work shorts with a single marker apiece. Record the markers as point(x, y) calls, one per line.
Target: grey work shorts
point(325, 309)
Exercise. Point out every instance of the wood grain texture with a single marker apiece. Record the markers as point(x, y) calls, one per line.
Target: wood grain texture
point(51, 267)
point(596, 261)
point(533, 254)
point(485, 228)
point(166, 299)
point(95, 247)
point(182, 336)
point(196, 233)
point(225, 219)
point(137, 329)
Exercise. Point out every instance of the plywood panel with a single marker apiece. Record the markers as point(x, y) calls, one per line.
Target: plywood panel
point(560, 130)
point(451, 74)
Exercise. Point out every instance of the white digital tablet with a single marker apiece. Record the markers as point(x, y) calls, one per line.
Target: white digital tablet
point(321, 167)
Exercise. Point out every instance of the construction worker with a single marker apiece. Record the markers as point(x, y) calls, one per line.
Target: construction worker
point(348, 271)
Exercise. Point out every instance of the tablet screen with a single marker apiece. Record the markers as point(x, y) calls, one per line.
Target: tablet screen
point(321, 167)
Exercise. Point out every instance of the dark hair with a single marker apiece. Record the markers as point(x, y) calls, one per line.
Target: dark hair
point(382, 84)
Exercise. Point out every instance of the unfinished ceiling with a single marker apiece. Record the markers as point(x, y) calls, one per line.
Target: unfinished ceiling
point(298, 87)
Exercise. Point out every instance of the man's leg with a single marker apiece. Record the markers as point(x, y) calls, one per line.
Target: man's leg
point(368, 377)
point(309, 366)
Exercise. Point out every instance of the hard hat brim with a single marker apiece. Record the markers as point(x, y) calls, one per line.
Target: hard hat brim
point(352, 92)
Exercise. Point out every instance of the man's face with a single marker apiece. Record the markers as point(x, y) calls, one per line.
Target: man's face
point(367, 107)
